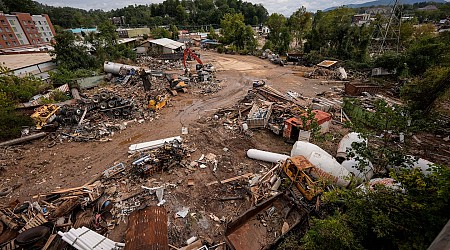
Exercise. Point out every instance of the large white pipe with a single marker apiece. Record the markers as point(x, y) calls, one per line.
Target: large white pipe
point(114, 68)
point(305, 149)
point(323, 161)
point(346, 143)
point(352, 166)
point(152, 144)
point(266, 156)
point(330, 166)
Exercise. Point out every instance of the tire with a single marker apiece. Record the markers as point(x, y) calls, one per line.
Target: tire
point(126, 112)
point(96, 99)
point(104, 96)
point(103, 105)
point(111, 104)
point(117, 112)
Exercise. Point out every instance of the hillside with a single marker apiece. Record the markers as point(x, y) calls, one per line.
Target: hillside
point(384, 3)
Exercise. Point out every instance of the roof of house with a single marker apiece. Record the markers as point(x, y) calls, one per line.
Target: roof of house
point(168, 43)
point(429, 7)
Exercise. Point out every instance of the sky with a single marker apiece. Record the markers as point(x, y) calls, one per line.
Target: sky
point(285, 7)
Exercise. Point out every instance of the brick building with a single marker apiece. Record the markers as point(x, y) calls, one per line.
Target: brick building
point(23, 29)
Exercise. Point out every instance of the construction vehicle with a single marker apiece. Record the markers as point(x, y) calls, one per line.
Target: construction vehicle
point(44, 115)
point(176, 84)
point(158, 102)
point(302, 174)
point(188, 55)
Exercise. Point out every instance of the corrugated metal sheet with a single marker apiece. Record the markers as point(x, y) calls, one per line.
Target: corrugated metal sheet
point(168, 43)
point(147, 230)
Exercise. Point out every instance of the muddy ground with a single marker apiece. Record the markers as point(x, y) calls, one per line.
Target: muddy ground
point(34, 168)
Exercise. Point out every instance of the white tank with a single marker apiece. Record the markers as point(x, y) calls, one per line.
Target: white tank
point(323, 161)
point(305, 149)
point(114, 68)
point(330, 166)
point(266, 156)
point(351, 166)
point(346, 143)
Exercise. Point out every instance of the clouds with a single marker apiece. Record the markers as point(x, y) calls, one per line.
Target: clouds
point(285, 7)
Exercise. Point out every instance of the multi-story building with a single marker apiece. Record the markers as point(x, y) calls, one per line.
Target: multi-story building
point(44, 27)
point(22, 29)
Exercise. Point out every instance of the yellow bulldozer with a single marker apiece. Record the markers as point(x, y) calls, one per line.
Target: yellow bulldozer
point(158, 102)
point(44, 115)
point(301, 172)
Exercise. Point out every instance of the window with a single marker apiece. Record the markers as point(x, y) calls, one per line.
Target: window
point(14, 42)
point(45, 22)
point(1, 30)
point(24, 22)
point(46, 39)
point(3, 21)
point(8, 44)
point(39, 22)
point(6, 29)
point(32, 28)
point(11, 36)
point(21, 42)
point(15, 29)
point(34, 41)
point(48, 28)
point(42, 28)
point(29, 21)
point(11, 21)
point(28, 29)
point(4, 37)
point(19, 36)
point(1, 46)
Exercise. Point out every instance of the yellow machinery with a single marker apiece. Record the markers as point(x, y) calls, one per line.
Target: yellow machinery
point(157, 103)
point(301, 173)
point(44, 114)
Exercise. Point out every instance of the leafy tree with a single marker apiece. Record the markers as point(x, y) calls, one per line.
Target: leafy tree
point(160, 32)
point(14, 90)
point(279, 32)
point(422, 92)
point(174, 31)
point(212, 34)
point(235, 32)
point(70, 54)
point(300, 24)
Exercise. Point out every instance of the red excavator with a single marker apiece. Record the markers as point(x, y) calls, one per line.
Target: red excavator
point(189, 54)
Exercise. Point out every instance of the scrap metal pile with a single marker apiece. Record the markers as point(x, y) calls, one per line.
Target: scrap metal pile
point(97, 206)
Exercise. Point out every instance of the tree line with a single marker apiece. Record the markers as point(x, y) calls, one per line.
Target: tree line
point(184, 13)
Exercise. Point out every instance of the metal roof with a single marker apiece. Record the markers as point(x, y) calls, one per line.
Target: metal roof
point(168, 43)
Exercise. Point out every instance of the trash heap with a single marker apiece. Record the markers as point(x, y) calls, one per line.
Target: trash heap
point(98, 206)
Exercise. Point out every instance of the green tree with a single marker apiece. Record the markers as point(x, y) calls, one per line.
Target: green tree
point(14, 90)
point(300, 24)
point(70, 54)
point(279, 32)
point(174, 31)
point(212, 34)
point(236, 33)
point(160, 32)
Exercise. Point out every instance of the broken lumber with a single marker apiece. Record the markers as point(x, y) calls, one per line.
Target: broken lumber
point(11, 224)
point(247, 175)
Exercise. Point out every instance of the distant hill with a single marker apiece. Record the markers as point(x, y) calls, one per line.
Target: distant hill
point(384, 2)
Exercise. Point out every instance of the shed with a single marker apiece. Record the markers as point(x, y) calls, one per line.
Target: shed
point(164, 46)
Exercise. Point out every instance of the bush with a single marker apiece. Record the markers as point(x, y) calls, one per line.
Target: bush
point(220, 49)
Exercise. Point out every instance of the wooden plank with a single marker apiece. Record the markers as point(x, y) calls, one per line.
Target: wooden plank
point(247, 175)
point(49, 241)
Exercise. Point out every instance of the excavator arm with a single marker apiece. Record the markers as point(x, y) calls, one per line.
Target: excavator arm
point(188, 52)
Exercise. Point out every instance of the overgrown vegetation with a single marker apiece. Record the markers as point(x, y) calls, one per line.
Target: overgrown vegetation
point(14, 90)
